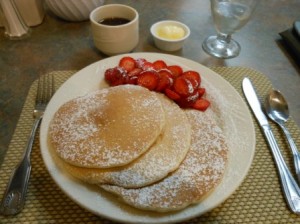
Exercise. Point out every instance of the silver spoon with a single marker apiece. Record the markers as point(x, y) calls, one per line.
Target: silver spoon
point(277, 110)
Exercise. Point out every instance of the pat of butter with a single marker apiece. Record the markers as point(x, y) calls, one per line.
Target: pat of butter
point(170, 32)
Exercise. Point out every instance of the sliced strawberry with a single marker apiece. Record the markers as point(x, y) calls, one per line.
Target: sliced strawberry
point(109, 75)
point(128, 63)
point(172, 94)
point(183, 86)
point(201, 104)
point(165, 80)
point(167, 72)
point(148, 79)
point(135, 72)
point(140, 62)
point(159, 64)
point(201, 91)
point(131, 80)
point(188, 101)
point(175, 70)
point(194, 77)
point(148, 66)
point(115, 76)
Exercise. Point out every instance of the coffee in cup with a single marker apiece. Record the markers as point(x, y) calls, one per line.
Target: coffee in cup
point(115, 28)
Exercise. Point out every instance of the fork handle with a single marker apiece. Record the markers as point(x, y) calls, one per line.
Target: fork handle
point(14, 197)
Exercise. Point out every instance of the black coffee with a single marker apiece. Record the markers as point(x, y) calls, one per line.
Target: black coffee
point(114, 21)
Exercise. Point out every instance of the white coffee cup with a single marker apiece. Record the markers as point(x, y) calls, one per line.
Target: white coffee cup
point(117, 39)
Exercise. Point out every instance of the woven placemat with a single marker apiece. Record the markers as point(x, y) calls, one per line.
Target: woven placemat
point(257, 200)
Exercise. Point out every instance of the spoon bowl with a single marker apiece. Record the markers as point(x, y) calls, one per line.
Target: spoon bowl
point(276, 106)
point(277, 109)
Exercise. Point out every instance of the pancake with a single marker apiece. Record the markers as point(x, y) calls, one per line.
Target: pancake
point(197, 176)
point(162, 158)
point(107, 128)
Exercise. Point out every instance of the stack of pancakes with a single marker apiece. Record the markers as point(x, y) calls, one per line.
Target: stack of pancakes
point(140, 146)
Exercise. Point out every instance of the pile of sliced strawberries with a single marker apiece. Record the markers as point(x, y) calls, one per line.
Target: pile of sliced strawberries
point(181, 86)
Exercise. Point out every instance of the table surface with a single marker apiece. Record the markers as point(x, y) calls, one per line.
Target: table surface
point(60, 45)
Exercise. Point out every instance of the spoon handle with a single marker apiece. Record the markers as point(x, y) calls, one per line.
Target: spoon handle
point(289, 185)
point(296, 154)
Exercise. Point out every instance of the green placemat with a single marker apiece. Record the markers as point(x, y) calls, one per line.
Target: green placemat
point(257, 200)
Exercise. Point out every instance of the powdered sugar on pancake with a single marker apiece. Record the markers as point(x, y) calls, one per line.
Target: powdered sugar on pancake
point(162, 158)
point(199, 173)
point(226, 110)
point(108, 127)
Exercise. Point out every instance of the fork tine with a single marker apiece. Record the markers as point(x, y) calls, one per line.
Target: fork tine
point(44, 92)
point(51, 87)
point(45, 89)
point(39, 93)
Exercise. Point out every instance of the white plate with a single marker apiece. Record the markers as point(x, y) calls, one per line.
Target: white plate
point(235, 120)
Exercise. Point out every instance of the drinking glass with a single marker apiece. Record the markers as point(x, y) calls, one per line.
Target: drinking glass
point(229, 16)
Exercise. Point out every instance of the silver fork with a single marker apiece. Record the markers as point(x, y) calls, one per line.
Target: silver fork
point(14, 197)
